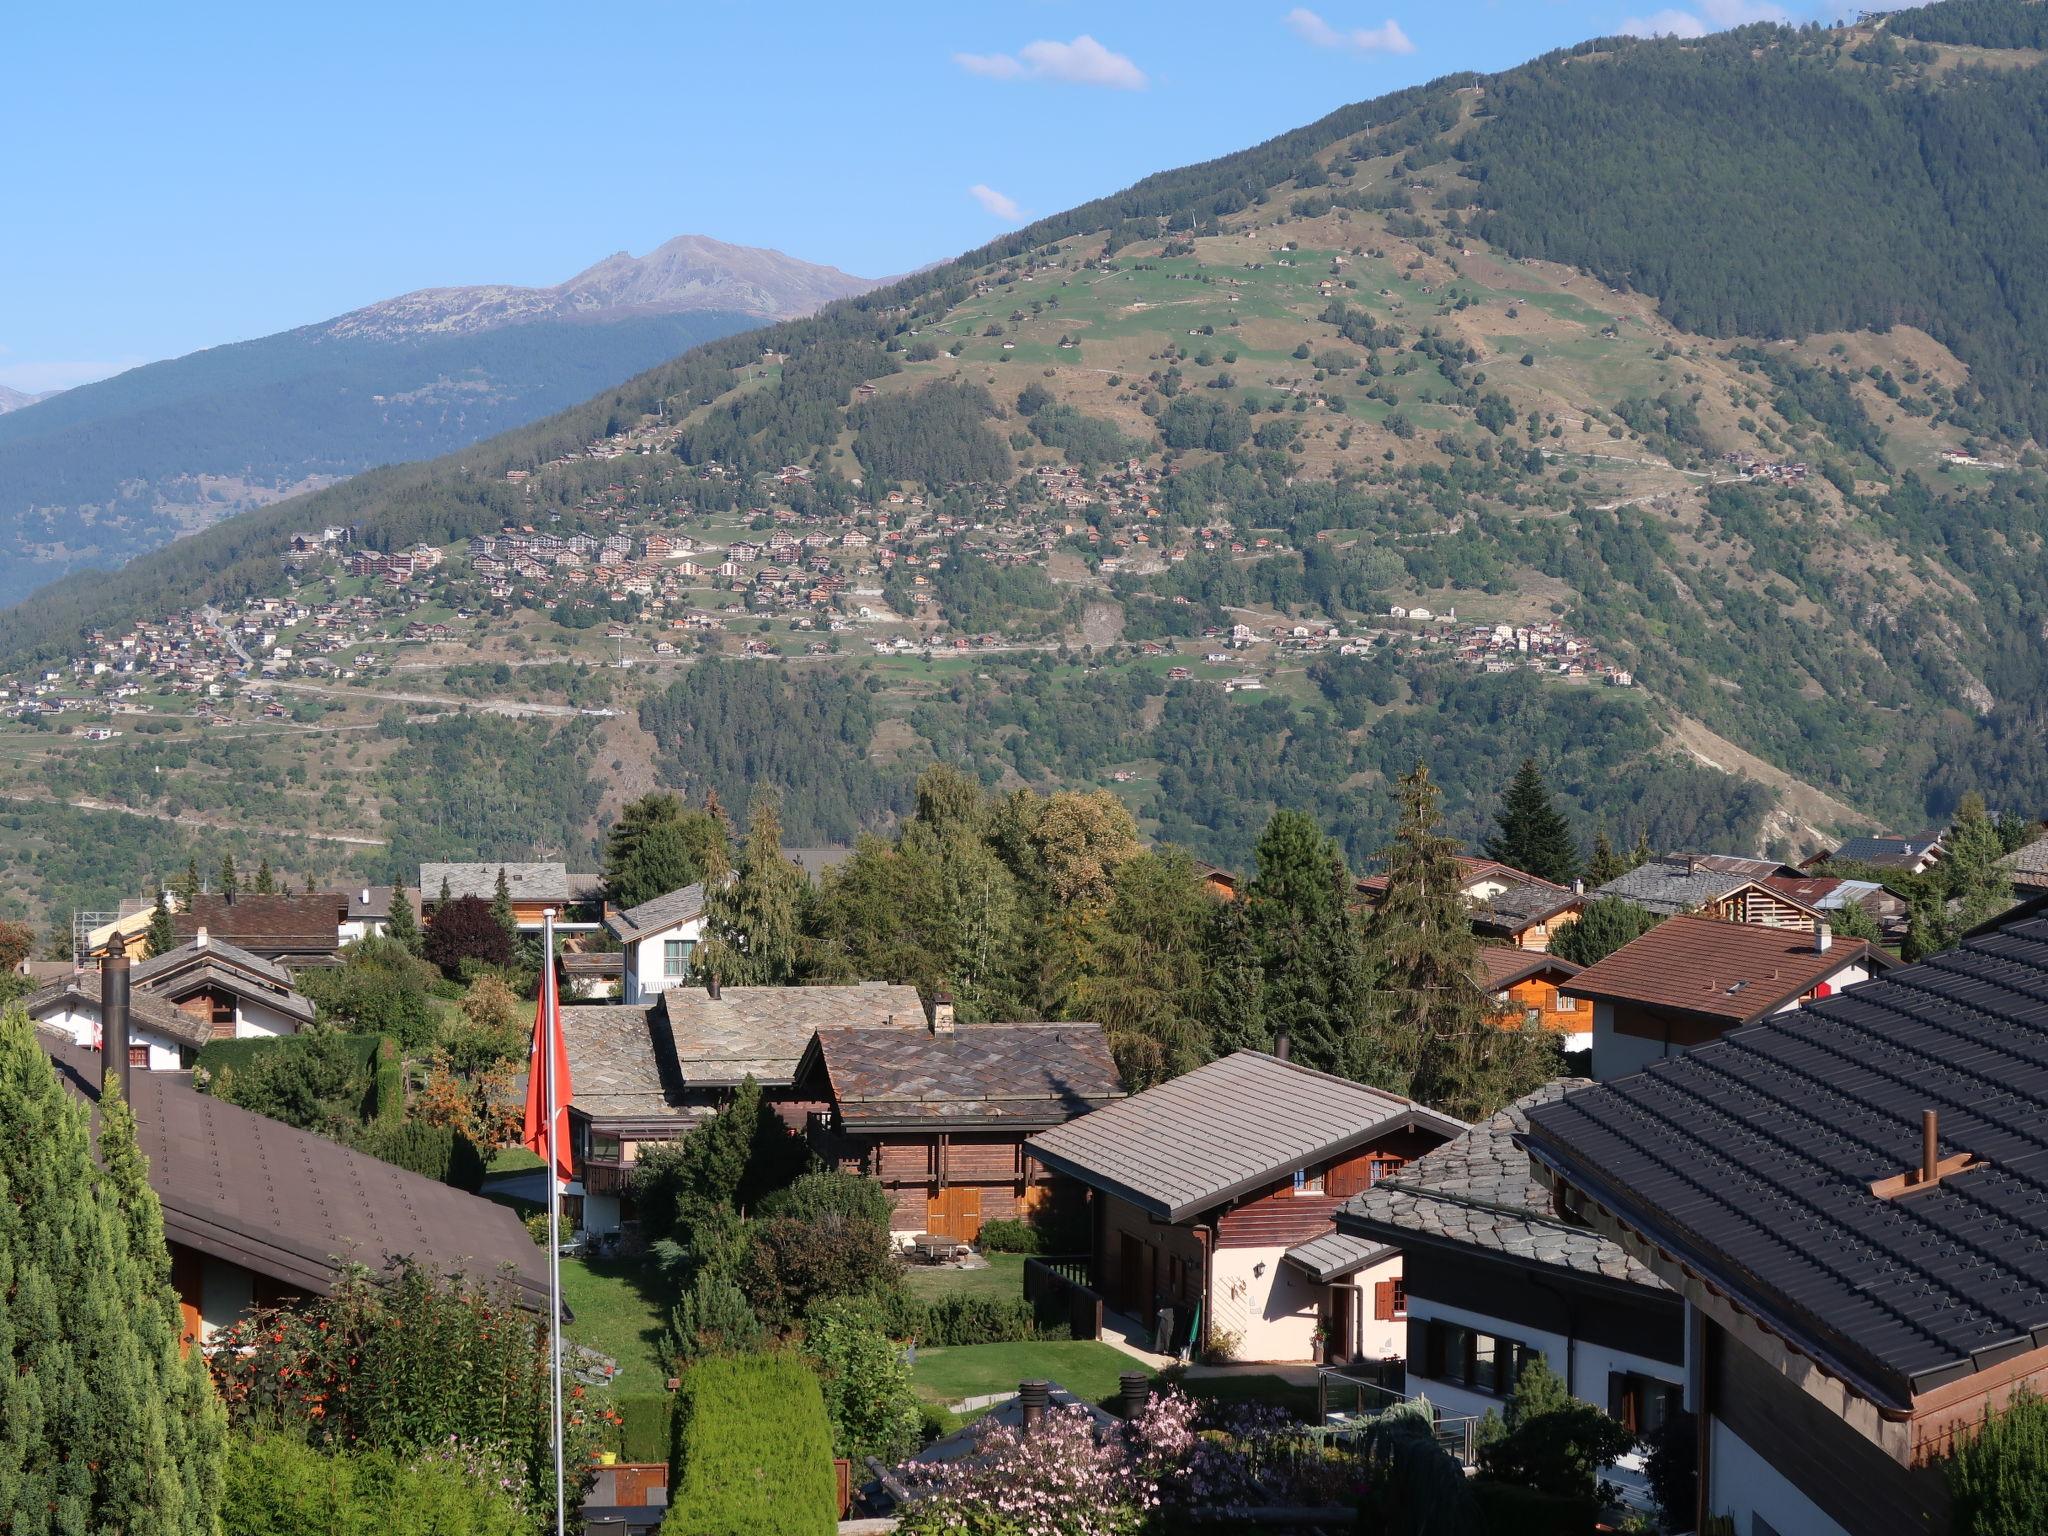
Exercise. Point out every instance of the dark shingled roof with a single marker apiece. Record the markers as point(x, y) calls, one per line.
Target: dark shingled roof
point(297, 924)
point(1733, 972)
point(1750, 1161)
point(617, 1054)
point(1025, 1075)
point(657, 913)
point(1521, 906)
point(1478, 1192)
point(145, 1009)
point(762, 1032)
point(295, 1206)
point(1222, 1130)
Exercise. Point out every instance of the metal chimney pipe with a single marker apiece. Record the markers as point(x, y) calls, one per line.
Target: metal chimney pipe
point(1930, 1143)
point(1136, 1388)
point(1283, 1042)
point(114, 1022)
point(1032, 1399)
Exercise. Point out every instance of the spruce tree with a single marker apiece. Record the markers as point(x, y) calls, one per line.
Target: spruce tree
point(1420, 938)
point(186, 886)
point(162, 937)
point(228, 882)
point(751, 921)
point(405, 923)
point(657, 845)
point(1605, 864)
point(502, 912)
point(1233, 1004)
point(103, 1425)
point(266, 882)
point(1976, 884)
point(1298, 904)
point(1533, 835)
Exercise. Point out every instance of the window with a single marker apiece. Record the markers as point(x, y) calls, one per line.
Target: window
point(1641, 1403)
point(1385, 1165)
point(675, 956)
point(1390, 1300)
point(1306, 1183)
point(1567, 1004)
point(1482, 1362)
point(138, 1056)
point(604, 1147)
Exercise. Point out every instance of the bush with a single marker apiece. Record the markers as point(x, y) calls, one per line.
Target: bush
point(325, 1083)
point(752, 1453)
point(963, 1319)
point(380, 988)
point(1006, 1236)
point(792, 1263)
point(437, 1151)
point(277, 1485)
point(816, 1195)
point(464, 929)
point(866, 1385)
point(1999, 1477)
point(1673, 1469)
point(1527, 1512)
point(1555, 1444)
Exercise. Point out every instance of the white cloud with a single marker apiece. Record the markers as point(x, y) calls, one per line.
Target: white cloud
point(1664, 24)
point(1712, 16)
point(1313, 30)
point(1084, 61)
point(1002, 206)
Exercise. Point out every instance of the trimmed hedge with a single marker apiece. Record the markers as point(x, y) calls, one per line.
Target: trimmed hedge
point(377, 1057)
point(1006, 1236)
point(967, 1319)
point(277, 1485)
point(644, 1430)
point(753, 1451)
point(438, 1151)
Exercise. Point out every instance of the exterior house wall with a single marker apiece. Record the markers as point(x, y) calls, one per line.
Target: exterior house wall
point(1272, 1307)
point(1370, 1336)
point(1627, 1038)
point(256, 1020)
point(1174, 1269)
point(1538, 936)
point(646, 974)
point(83, 1025)
point(1746, 1488)
point(1590, 1362)
point(1570, 1017)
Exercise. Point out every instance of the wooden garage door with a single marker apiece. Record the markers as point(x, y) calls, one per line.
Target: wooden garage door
point(955, 1212)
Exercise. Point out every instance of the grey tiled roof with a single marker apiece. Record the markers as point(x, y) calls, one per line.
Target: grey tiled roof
point(1670, 886)
point(219, 951)
point(177, 971)
point(2028, 866)
point(1477, 1191)
point(1222, 1130)
point(761, 1032)
point(527, 882)
point(1869, 849)
point(1516, 907)
point(1036, 1074)
point(145, 1008)
point(1337, 1254)
point(661, 912)
point(615, 1061)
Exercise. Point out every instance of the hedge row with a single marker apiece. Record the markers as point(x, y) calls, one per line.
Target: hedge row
point(753, 1451)
point(377, 1056)
point(967, 1319)
point(278, 1485)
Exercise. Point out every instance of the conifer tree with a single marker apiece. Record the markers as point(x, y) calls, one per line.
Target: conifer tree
point(266, 882)
point(1533, 835)
point(1233, 1005)
point(1641, 853)
point(103, 1426)
point(228, 882)
point(186, 886)
point(405, 923)
point(1978, 886)
point(751, 920)
point(502, 912)
point(1298, 905)
point(1421, 939)
point(162, 937)
point(657, 845)
point(1605, 864)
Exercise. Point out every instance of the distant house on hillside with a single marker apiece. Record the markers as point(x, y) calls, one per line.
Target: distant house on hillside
point(1693, 979)
point(1212, 1198)
point(534, 888)
point(1694, 882)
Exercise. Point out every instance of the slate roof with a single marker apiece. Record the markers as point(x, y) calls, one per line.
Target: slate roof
point(2028, 867)
point(1825, 893)
point(295, 1206)
point(1501, 966)
point(1337, 1254)
point(1222, 1130)
point(527, 882)
point(1670, 886)
point(1887, 850)
point(1476, 868)
point(1478, 1192)
point(761, 1032)
point(1521, 906)
point(617, 1054)
point(1750, 1160)
point(1733, 972)
point(650, 917)
point(145, 1009)
point(1025, 1075)
point(214, 951)
point(1738, 864)
point(370, 901)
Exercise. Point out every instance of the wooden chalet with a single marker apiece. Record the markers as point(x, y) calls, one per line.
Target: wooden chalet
point(1211, 1200)
point(1722, 886)
point(1524, 985)
point(940, 1117)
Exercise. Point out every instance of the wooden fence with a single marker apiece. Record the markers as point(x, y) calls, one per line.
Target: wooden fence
point(1060, 1286)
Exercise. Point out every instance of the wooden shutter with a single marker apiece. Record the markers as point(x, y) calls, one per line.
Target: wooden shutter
point(1383, 1301)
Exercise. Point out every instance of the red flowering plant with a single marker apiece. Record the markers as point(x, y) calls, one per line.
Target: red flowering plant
point(408, 1362)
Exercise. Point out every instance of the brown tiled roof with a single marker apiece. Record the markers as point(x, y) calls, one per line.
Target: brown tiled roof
point(1729, 971)
point(295, 1206)
point(300, 924)
point(1475, 868)
point(1032, 1075)
point(1501, 966)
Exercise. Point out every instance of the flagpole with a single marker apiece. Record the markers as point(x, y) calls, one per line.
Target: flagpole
point(550, 1030)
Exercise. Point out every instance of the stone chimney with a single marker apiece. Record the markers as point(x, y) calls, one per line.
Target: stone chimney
point(201, 937)
point(942, 1013)
point(711, 985)
point(1823, 936)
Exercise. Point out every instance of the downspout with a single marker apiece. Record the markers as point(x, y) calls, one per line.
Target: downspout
point(1206, 1236)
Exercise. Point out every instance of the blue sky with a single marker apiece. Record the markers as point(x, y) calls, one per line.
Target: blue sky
point(181, 176)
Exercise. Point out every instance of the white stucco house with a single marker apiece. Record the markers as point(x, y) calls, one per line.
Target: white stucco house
point(660, 937)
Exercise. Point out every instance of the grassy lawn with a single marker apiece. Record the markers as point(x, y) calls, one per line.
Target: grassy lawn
point(513, 1160)
point(1084, 1367)
point(1003, 1277)
point(618, 1311)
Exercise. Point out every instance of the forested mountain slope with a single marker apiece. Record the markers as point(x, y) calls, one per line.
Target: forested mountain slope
point(127, 464)
point(1621, 341)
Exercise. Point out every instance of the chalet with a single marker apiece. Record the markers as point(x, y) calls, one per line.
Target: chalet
point(535, 889)
point(659, 937)
point(1484, 880)
point(1524, 985)
point(628, 1095)
point(1914, 855)
point(258, 1213)
point(1692, 979)
point(1211, 1199)
point(1829, 895)
point(294, 931)
point(720, 1036)
point(940, 1116)
point(1847, 1198)
point(1689, 882)
point(1493, 1276)
point(1527, 916)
